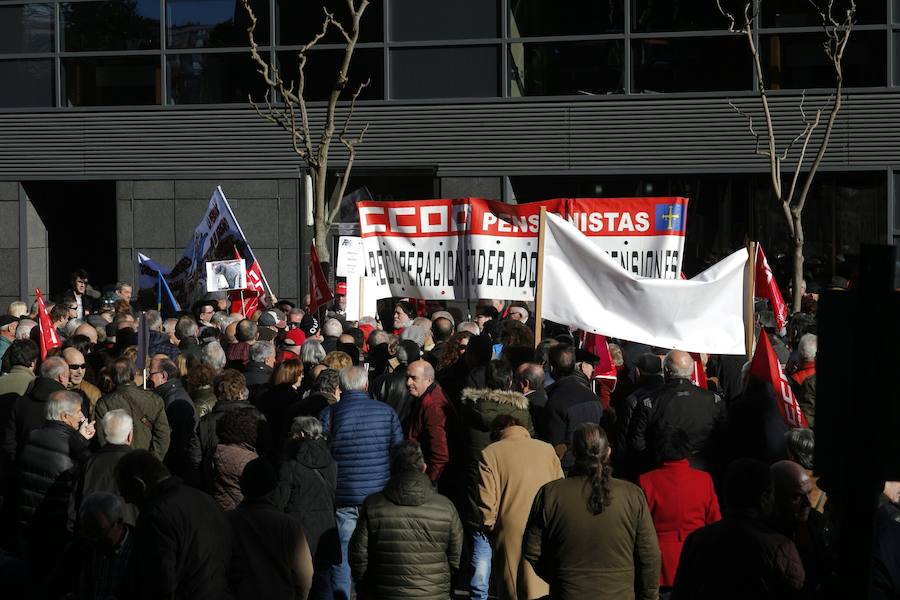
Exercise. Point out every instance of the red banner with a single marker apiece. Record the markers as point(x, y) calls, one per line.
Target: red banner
point(319, 292)
point(253, 294)
point(767, 287)
point(766, 369)
point(49, 337)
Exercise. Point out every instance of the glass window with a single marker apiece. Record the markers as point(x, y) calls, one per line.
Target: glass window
point(566, 68)
point(214, 23)
point(413, 20)
point(34, 83)
point(298, 22)
point(800, 13)
point(798, 61)
point(653, 15)
point(896, 35)
point(531, 18)
point(27, 28)
point(199, 78)
point(452, 72)
point(111, 81)
point(112, 25)
point(691, 64)
point(322, 68)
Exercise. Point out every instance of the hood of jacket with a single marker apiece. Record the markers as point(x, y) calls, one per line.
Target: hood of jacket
point(412, 488)
point(475, 395)
point(312, 453)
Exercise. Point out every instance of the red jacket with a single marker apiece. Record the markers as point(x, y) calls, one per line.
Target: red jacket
point(681, 499)
point(432, 423)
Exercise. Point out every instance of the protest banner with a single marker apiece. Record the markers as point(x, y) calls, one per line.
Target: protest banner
point(474, 248)
point(226, 275)
point(584, 287)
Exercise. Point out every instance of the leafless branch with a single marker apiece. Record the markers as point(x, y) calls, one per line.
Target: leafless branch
point(750, 127)
point(350, 144)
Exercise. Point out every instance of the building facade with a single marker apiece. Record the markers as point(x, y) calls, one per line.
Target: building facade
point(118, 117)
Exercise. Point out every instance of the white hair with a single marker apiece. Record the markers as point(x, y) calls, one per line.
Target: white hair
point(212, 355)
point(312, 352)
point(17, 308)
point(53, 367)
point(369, 321)
point(71, 326)
point(469, 326)
point(117, 425)
point(262, 351)
point(354, 378)
point(310, 427)
point(169, 326)
point(154, 320)
point(808, 347)
point(415, 333)
point(23, 329)
point(332, 328)
point(62, 402)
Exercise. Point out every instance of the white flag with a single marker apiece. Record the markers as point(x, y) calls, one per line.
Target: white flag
point(585, 288)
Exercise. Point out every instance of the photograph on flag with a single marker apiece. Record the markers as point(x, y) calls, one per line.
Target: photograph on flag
point(226, 275)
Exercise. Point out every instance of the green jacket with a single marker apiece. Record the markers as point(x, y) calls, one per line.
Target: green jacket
point(151, 426)
point(16, 381)
point(407, 539)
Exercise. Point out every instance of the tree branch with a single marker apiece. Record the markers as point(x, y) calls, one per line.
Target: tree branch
point(350, 144)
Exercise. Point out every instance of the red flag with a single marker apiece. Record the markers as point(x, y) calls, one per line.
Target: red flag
point(767, 288)
point(699, 376)
point(605, 371)
point(766, 369)
point(319, 292)
point(49, 337)
point(255, 292)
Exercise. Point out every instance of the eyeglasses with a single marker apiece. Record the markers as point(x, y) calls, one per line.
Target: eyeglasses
point(72, 307)
point(77, 367)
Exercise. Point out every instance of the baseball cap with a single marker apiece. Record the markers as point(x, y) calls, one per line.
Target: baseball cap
point(7, 320)
point(294, 337)
point(273, 318)
point(309, 325)
point(340, 288)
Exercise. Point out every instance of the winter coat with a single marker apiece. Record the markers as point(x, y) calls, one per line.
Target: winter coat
point(48, 471)
point(209, 438)
point(391, 389)
point(148, 413)
point(229, 461)
point(579, 553)
point(237, 355)
point(681, 500)
point(265, 550)
point(806, 398)
point(183, 457)
point(362, 432)
point(204, 400)
point(191, 347)
point(28, 413)
point(569, 404)
point(99, 475)
point(434, 425)
point(407, 539)
point(308, 478)
point(537, 406)
point(16, 381)
point(257, 376)
point(89, 392)
point(739, 557)
point(159, 343)
point(886, 552)
point(274, 404)
point(512, 470)
point(182, 545)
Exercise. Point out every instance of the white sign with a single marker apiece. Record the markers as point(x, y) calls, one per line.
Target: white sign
point(362, 298)
point(225, 275)
point(350, 258)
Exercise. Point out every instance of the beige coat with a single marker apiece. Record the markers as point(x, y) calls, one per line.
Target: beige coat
point(512, 470)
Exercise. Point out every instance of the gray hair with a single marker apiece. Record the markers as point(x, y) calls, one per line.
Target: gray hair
point(154, 320)
point(808, 347)
point(332, 328)
point(469, 326)
point(53, 367)
point(168, 366)
point(673, 370)
point(62, 402)
point(310, 427)
point(354, 378)
point(101, 504)
point(442, 314)
point(185, 327)
point(414, 333)
point(369, 321)
point(169, 326)
point(120, 285)
point(246, 330)
point(117, 425)
point(312, 352)
point(262, 351)
point(71, 326)
point(212, 355)
point(294, 312)
point(378, 337)
point(17, 308)
point(23, 329)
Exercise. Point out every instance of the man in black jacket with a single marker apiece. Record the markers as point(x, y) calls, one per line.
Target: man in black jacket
point(183, 456)
point(569, 403)
point(30, 410)
point(258, 372)
point(530, 381)
point(182, 538)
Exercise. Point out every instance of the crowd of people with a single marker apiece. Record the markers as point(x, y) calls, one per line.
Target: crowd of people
point(421, 454)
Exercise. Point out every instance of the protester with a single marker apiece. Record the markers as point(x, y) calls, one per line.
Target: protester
point(182, 539)
point(885, 578)
point(803, 378)
point(414, 560)
point(282, 392)
point(433, 424)
point(236, 434)
point(105, 563)
point(258, 370)
point(569, 517)
point(199, 385)
point(452, 369)
point(511, 471)
point(30, 410)
point(183, 456)
point(98, 471)
point(22, 356)
point(570, 403)
point(391, 389)
point(529, 380)
point(89, 393)
point(362, 432)
point(8, 326)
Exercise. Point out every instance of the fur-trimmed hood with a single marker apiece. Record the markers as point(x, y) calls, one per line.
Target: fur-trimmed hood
point(475, 395)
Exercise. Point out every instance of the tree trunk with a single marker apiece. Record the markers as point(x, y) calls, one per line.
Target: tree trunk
point(798, 241)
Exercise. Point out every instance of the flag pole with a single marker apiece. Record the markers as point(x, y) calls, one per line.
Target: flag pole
point(539, 281)
point(243, 306)
point(750, 293)
point(249, 249)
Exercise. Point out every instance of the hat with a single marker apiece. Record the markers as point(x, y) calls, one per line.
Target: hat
point(266, 334)
point(294, 337)
point(309, 325)
point(7, 320)
point(340, 288)
point(273, 318)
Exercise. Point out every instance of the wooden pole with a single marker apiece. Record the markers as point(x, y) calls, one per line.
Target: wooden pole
point(539, 282)
point(750, 294)
point(243, 306)
point(362, 298)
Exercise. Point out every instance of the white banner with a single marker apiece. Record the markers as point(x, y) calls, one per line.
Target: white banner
point(585, 287)
point(473, 248)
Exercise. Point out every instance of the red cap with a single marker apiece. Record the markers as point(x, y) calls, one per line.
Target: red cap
point(340, 288)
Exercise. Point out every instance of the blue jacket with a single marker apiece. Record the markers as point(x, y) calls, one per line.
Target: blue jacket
point(361, 432)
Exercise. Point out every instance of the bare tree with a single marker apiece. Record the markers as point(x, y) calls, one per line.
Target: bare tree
point(792, 190)
point(291, 113)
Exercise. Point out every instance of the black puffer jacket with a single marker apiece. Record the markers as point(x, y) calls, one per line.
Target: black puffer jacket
point(28, 413)
point(407, 539)
point(391, 389)
point(48, 472)
point(308, 478)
